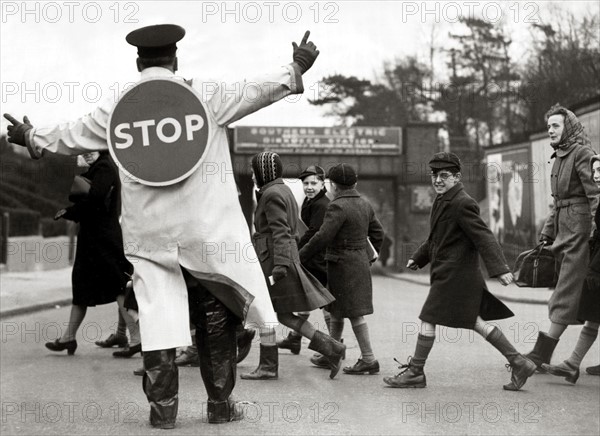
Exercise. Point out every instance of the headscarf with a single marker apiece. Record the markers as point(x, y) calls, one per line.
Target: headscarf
point(573, 132)
point(594, 158)
point(267, 167)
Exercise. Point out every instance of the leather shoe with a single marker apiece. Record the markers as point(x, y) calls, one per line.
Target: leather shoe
point(118, 340)
point(128, 351)
point(593, 370)
point(362, 367)
point(70, 346)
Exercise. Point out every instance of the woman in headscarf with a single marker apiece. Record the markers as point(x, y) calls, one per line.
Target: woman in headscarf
point(569, 225)
point(589, 304)
point(291, 287)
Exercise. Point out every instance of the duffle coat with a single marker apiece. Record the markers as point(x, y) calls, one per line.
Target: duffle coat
point(197, 223)
point(276, 243)
point(100, 267)
point(570, 225)
point(313, 214)
point(457, 238)
point(349, 220)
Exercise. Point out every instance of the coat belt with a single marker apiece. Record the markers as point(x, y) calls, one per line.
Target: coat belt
point(566, 202)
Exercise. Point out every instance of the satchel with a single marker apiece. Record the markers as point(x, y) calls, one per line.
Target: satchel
point(536, 268)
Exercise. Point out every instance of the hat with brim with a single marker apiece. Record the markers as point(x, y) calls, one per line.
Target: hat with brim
point(156, 41)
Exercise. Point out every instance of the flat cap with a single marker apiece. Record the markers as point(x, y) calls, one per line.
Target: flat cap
point(444, 160)
point(343, 174)
point(155, 41)
point(313, 170)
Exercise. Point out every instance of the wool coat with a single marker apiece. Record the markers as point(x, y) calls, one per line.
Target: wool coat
point(457, 238)
point(349, 220)
point(589, 304)
point(313, 214)
point(100, 267)
point(276, 243)
point(569, 224)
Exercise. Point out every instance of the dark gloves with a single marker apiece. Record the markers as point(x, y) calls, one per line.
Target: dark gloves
point(305, 54)
point(18, 131)
point(279, 272)
point(60, 214)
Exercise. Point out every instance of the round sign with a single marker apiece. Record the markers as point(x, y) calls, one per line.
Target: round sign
point(158, 132)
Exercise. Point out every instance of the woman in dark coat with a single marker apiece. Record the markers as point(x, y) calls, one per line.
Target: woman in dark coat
point(100, 264)
point(291, 287)
point(459, 296)
point(589, 304)
point(348, 222)
point(568, 226)
point(312, 213)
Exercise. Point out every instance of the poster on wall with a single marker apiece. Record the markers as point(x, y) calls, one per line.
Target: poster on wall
point(509, 193)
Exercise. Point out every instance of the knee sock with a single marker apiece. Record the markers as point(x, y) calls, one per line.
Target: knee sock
point(584, 343)
point(304, 317)
point(336, 328)
point(327, 317)
point(361, 331)
point(422, 349)
point(499, 341)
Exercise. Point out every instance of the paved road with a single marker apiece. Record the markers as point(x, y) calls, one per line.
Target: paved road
point(93, 393)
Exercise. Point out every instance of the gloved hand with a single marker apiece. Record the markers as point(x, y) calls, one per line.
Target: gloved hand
point(279, 272)
point(60, 214)
point(18, 131)
point(305, 54)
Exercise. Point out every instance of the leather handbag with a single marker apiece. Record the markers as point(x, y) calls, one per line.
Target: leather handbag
point(536, 268)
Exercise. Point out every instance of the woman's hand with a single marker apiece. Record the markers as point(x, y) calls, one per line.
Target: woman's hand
point(506, 278)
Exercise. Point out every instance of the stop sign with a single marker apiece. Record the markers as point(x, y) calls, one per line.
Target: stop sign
point(158, 132)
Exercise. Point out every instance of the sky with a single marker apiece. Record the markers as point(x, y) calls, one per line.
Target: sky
point(60, 59)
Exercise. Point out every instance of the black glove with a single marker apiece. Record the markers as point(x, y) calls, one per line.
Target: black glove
point(60, 214)
point(305, 54)
point(279, 272)
point(18, 131)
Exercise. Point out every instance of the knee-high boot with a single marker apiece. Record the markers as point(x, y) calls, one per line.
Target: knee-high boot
point(330, 348)
point(161, 386)
point(217, 349)
point(542, 350)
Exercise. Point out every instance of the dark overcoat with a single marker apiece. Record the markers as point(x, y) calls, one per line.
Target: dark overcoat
point(348, 221)
point(276, 243)
point(100, 264)
point(457, 237)
point(589, 304)
point(312, 214)
point(570, 225)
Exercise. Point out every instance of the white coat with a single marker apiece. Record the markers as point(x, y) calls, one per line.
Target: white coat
point(197, 223)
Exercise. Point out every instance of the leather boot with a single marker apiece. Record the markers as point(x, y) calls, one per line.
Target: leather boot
point(593, 370)
point(542, 350)
point(217, 350)
point(161, 386)
point(412, 376)
point(330, 349)
point(224, 411)
point(268, 365)
point(564, 369)
point(244, 339)
point(521, 369)
point(293, 343)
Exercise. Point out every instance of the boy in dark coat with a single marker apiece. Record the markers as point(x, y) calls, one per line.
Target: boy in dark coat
point(349, 220)
point(458, 296)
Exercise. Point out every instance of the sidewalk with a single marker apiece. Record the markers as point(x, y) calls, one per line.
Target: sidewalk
point(24, 292)
point(511, 293)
